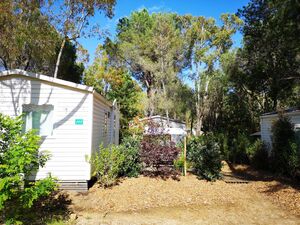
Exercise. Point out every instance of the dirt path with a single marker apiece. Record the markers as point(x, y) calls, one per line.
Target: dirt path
point(195, 214)
point(146, 200)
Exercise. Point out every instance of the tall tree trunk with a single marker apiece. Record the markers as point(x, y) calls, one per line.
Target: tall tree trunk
point(165, 96)
point(192, 123)
point(198, 102)
point(150, 96)
point(198, 109)
point(59, 57)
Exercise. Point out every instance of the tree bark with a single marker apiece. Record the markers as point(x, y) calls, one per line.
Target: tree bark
point(59, 57)
point(198, 105)
point(165, 95)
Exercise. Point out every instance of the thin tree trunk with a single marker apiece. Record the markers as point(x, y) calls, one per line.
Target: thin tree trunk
point(198, 107)
point(192, 123)
point(150, 95)
point(59, 57)
point(165, 95)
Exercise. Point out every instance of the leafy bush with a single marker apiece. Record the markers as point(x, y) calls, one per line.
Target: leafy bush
point(238, 151)
point(285, 152)
point(19, 157)
point(258, 155)
point(159, 155)
point(222, 140)
point(107, 164)
point(204, 154)
point(179, 163)
point(130, 147)
point(234, 149)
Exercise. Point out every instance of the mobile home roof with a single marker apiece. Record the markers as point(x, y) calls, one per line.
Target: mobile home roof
point(79, 87)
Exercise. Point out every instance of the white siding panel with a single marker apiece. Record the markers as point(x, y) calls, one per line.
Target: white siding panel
point(70, 143)
point(100, 136)
point(266, 123)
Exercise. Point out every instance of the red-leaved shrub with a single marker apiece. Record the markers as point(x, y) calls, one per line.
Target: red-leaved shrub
point(158, 156)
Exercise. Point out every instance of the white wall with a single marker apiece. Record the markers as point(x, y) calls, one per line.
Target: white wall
point(100, 136)
point(266, 126)
point(70, 144)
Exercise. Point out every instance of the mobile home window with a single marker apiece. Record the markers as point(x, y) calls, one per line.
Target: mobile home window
point(39, 118)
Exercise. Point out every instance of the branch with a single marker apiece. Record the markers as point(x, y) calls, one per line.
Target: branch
point(83, 21)
point(290, 78)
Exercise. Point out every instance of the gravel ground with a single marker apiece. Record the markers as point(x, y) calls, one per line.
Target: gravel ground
point(147, 200)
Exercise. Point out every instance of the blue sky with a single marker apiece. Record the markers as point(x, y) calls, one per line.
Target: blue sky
point(208, 8)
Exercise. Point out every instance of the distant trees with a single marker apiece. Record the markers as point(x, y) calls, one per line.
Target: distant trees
point(159, 48)
point(151, 46)
point(207, 42)
point(115, 83)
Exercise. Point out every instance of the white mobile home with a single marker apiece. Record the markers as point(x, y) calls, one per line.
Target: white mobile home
point(266, 122)
point(72, 120)
point(175, 128)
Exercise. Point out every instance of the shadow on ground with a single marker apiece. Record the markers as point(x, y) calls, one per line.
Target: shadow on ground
point(52, 208)
point(247, 173)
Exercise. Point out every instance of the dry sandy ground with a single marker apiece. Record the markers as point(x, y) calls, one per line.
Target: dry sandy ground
point(146, 200)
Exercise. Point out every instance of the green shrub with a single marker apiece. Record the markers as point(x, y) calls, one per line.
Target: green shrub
point(223, 142)
point(285, 152)
point(107, 164)
point(204, 154)
point(179, 163)
point(258, 155)
point(130, 147)
point(19, 157)
point(238, 149)
point(234, 149)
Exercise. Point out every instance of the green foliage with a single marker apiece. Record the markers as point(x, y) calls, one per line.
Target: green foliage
point(258, 155)
point(27, 40)
point(116, 161)
point(107, 164)
point(268, 63)
point(179, 163)
point(238, 153)
point(234, 148)
point(19, 157)
point(204, 154)
point(69, 69)
point(285, 152)
point(130, 147)
point(223, 142)
point(153, 48)
point(115, 83)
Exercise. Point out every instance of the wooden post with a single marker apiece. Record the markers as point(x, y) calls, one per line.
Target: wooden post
point(184, 157)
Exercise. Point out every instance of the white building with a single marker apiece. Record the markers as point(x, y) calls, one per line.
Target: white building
point(267, 120)
point(175, 128)
point(72, 120)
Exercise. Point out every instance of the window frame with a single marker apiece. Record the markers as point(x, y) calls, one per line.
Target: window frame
point(48, 108)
